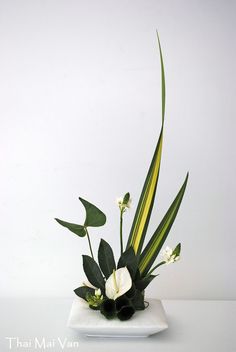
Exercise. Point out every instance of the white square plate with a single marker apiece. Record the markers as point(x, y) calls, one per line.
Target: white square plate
point(90, 322)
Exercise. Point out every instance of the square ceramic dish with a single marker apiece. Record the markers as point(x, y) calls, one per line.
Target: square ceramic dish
point(92, 323)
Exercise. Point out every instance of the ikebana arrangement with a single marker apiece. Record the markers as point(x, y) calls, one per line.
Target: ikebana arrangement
point(117, 290)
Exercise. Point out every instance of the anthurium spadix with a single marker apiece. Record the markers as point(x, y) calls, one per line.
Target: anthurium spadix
point(118, 283)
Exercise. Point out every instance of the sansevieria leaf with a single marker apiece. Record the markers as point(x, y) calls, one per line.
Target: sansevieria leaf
point(145, 204)
point(153, 247)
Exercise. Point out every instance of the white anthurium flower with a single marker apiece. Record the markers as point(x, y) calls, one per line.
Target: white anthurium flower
point(168, 255)
point(118, 283)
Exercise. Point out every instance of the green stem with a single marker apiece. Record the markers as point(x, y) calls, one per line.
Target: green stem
point(90, 246)
point(121, 233)
point(155, 267)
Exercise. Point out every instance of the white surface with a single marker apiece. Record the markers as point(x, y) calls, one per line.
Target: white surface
point(92, 323)
point(80, 115)
point(194, 326)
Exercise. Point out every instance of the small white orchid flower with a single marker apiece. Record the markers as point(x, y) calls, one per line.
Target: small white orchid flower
point(118, 283)
point(128, 204)
point(119, 201)
point(124, 202)
point(169, 256)
point(98, 292)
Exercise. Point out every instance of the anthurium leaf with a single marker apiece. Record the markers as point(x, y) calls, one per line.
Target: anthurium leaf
point(94, 216)
point(156, 242)
point(93, 272)
point(144, 282)
point(83, 291)
point(106, 258)
point(146, 200)
point(129, 259)
point(77, 229)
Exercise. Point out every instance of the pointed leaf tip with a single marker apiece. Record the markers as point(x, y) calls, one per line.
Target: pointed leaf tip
point(75, 228)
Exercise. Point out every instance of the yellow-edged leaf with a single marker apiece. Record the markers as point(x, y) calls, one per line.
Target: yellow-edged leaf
point(155, 244)
point(145, 205)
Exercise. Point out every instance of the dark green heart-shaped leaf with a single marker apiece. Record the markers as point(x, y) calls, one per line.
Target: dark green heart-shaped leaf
point(129, 259)
point(94, 216)
point(93, 272)
point(83, 291)
point(77, 229)
point(106, 258)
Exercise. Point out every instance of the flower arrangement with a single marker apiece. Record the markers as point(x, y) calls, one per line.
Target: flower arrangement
point(117, 289)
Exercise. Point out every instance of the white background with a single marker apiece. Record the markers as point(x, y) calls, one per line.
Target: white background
point(80, 115)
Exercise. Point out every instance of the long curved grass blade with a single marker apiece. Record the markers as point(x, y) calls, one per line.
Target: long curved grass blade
point(156, 242)
point(145, 204)
point(163, 84)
